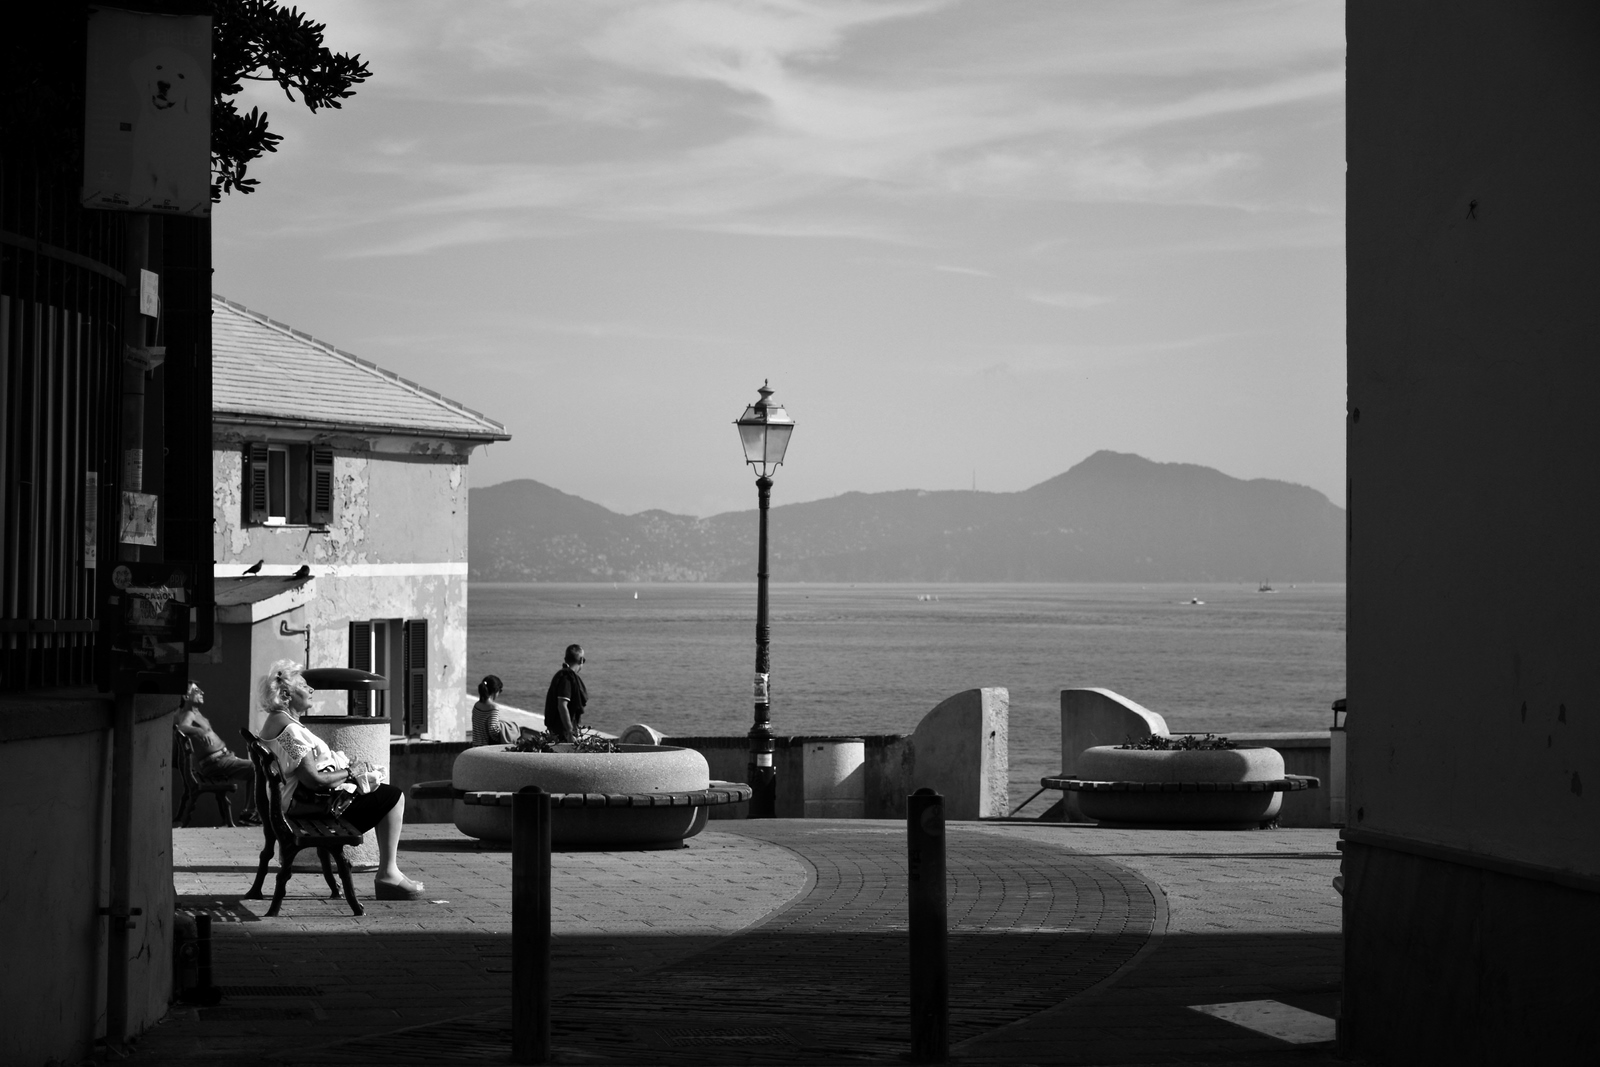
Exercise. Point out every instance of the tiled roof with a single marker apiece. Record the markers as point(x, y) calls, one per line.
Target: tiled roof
point(262, 369)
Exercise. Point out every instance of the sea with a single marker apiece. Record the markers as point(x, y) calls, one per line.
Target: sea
point(874, 658)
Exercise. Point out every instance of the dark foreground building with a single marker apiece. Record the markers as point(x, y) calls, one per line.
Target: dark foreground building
point(105, 549)
point(1472, 858)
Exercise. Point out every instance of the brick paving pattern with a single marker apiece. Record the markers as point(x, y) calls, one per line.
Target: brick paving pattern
point(782, 942)
point(1251, 916)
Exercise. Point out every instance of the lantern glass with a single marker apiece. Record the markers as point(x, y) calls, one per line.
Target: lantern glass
point(754, 437)
point(778, 440)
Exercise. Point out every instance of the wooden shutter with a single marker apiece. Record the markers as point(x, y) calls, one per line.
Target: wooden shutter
point(416, 675)
point(361, 660)
point(255, 482)
point(321, 485)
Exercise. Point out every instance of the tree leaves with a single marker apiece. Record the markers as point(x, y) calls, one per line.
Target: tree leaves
point(256, 40)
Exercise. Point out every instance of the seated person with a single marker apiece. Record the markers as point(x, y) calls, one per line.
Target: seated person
point(210, 758)
point(488, 728)
point(305, 760)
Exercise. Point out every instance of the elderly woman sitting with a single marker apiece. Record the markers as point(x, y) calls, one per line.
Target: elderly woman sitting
point(308, 766)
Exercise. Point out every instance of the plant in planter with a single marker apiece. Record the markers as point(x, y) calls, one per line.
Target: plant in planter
point(586, 740)
point(1182, 743)
point(1182, 782)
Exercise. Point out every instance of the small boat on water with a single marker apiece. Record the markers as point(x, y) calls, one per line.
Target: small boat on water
point(1265, 587)
point(1194, 600)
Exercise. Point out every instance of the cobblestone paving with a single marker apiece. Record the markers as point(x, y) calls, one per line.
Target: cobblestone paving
point(826, 980)
point(782, 942)
point(614, 916)
point(1251, 915)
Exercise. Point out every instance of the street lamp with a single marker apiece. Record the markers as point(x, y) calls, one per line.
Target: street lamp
point(764, 429)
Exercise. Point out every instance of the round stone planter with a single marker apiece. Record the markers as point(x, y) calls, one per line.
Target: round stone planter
point(636, 769)
point(1222, 789)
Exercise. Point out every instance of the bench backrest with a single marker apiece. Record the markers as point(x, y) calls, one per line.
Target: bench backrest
point(269, 784)
point(183, 759)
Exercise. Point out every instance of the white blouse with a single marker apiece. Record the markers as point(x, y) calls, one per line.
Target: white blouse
point(296, 744)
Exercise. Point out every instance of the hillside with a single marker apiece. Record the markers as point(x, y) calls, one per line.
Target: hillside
point(1113, 517)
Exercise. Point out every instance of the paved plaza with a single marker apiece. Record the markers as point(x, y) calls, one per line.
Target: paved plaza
point(784, 941)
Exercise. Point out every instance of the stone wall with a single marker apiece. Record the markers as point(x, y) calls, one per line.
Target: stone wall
point(1303, 752)
point(963, 746)
point(411, 762)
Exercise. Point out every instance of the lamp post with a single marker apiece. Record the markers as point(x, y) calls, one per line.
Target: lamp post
point(764, 429)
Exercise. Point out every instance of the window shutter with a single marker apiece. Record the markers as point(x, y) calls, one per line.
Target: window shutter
point(321, 486)
point(416, 676)
point(361, 660)
point(255, 479)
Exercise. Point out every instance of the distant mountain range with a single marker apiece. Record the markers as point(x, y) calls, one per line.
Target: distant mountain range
point(1115, 517)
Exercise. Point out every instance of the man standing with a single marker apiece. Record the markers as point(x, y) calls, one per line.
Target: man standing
point(211, 759)
point(566, 697)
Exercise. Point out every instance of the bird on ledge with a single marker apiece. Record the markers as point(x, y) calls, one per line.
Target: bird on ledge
point(303, 572)
point(255, 568)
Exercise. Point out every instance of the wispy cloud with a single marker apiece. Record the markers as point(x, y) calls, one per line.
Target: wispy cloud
point(730, 112)
point(1070, 301)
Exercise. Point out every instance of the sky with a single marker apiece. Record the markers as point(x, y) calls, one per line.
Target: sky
point(970, 242)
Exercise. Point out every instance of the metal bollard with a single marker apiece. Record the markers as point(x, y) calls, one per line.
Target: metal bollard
point(930, 980)
point(530, 926)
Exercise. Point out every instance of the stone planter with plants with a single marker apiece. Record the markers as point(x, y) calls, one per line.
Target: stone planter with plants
point(606, 794)
point(1185, 782)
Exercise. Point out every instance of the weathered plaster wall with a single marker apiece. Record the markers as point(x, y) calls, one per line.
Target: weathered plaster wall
point(400, 509)
point(57, 829)
point(398, 505)
point(441, 599)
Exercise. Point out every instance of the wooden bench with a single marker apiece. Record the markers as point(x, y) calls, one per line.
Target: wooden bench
point(717, 793)
point(289, 834)
point(194, 786)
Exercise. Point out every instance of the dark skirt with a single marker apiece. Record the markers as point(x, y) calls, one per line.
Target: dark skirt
point(368, 809)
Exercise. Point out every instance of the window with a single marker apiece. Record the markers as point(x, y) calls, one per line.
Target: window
point(288, 485)
point(397, 649)
point(277, 485)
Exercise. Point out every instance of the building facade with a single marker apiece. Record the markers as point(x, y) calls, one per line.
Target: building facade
point(339, 513)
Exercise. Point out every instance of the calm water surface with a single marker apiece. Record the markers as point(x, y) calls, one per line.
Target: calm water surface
point(865, 659)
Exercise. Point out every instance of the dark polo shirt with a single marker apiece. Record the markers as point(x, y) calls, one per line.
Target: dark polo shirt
point(566, 683)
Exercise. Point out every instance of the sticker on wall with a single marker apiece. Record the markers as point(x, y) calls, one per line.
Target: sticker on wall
point(147, 112)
